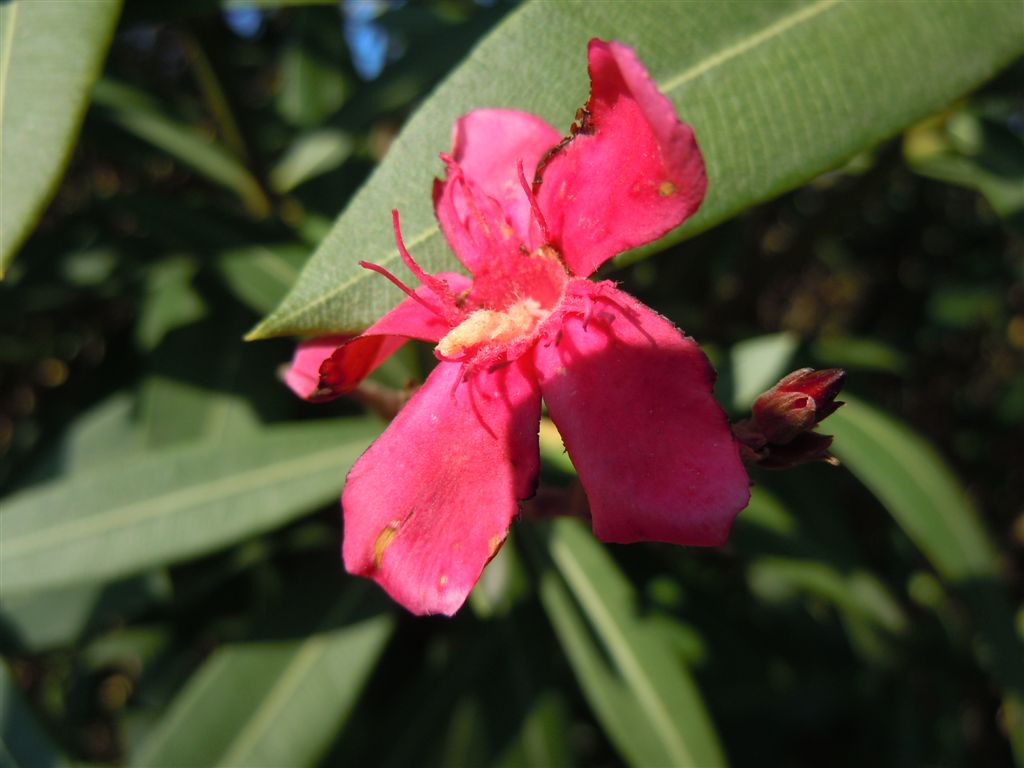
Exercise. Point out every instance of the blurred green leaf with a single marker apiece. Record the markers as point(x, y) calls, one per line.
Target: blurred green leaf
point(23, 743)
point(50, 56)
point(858, 352)
point(542, 737)
point(828, 100)
point(137, 113)
point(173, 411)
point(785, 559)
point(639, 691)
point(41, 620)
point(755, 365)
point(105, 432)
point(203, 383)
point(312, 86)
point(272, 702)
point(310, 155)
point(921, 493)
point(966, 149)
point(916, 486)
point(552, 449)
point(964, 306)
point(260, 275)
point(164, 506)
point(170, 300)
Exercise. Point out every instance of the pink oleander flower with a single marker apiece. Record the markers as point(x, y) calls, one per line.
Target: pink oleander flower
point(430, 502)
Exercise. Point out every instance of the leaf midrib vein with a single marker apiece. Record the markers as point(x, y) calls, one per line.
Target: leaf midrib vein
point(203, 493)
point(954, 528)
point(737, 49)
point(623, 653)
point(740, 47)
point(281, 691)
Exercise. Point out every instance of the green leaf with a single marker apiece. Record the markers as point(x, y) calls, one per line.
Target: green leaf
point(310, 155)
point(104, 433)
point(924, 497)
point(260, 275)
point(50, 56)
point(41, 620)
point(756, 364)
point(777, 94)
point(644, 698)
point(858, 352)
point(969, 150)
point(205, 384)
point(786, 560)
point(170, 300)
point(165, 506)
point(272, 702)
point(136, 113)
point(312, 85)
point(23, 743)
point(915, 485)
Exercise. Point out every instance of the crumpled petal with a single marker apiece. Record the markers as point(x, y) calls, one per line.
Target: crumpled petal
point(430, 501)
point(481, 205)
point(328, 367)
point(303, 375)
point(631, 173)
point(632, 399)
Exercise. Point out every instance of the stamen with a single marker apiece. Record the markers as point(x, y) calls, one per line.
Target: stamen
point(449, 309)
point(457, 178)
point(588, 310)
point(475, 214)
point(460, 378)
point(402, 286)
point(534, 205)
point(415, 268)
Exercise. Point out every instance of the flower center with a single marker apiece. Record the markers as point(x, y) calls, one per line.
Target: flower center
point(489, 327)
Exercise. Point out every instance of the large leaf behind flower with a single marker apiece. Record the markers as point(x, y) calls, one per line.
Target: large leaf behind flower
point(777, 93)
point(166, 506)
point(50, 56)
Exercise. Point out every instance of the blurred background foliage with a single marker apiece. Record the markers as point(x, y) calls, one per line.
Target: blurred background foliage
point(172, 592)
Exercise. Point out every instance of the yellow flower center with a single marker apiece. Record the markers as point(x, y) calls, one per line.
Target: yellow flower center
point(489, 326)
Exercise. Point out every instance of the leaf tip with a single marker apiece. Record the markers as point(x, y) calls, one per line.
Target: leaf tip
point(259, 332)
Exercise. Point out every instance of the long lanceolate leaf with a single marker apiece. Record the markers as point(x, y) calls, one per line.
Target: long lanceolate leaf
point(136, 113)
point(640, 692)
point(923, 496)
point(169, 505)
point(50, 56)
point(272, 702)
point(777, 93)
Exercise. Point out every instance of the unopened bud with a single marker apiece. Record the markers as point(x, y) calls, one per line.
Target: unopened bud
point(778, 434)
point(797, 403)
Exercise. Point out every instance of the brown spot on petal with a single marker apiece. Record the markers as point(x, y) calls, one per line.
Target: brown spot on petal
point(443, 580)
point(385, 538)
point(667, 188)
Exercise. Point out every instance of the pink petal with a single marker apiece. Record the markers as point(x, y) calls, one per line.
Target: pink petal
point(321, 372)
point(632, 398)
point(303, 375)
point(430, 502)
point(632, 173)
point(481, 205)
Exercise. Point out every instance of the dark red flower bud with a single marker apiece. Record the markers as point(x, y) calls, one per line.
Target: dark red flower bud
point(779, 433)
point(797, 403)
